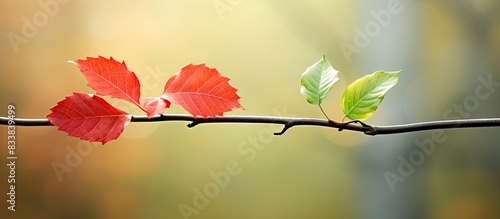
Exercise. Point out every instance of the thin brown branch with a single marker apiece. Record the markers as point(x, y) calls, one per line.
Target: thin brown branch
point(290, 122)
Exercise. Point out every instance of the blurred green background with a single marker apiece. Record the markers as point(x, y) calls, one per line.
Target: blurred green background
point(446, 49)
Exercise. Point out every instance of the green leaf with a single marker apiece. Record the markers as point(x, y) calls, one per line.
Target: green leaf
point(317, 81)
point(363, 96)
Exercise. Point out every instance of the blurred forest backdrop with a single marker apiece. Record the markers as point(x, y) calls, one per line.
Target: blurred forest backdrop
point(448, 51)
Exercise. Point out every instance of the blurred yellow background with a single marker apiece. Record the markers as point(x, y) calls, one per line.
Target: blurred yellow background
point(446, 49)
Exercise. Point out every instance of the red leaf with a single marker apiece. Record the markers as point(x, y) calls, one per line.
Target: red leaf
point(202, 91)
point(111, 78)
point(155, 105)
point(89, 117)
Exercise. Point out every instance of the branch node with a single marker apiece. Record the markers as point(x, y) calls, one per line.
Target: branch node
point(342, 125)
point(362, 123)
point(285, 128)
point(371, 131)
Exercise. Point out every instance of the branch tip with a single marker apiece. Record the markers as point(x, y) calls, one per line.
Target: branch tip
point(285, 128)
point(192, 124)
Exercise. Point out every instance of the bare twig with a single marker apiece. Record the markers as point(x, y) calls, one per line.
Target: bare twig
point(290, 122)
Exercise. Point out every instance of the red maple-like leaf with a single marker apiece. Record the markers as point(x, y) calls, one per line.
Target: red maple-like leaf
point(89, 117)
point(202, 91)
point(111, 78)
point(155, 105)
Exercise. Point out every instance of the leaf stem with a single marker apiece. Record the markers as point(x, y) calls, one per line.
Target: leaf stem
point(331, 120)
point(321, 108)
point(342, 125)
